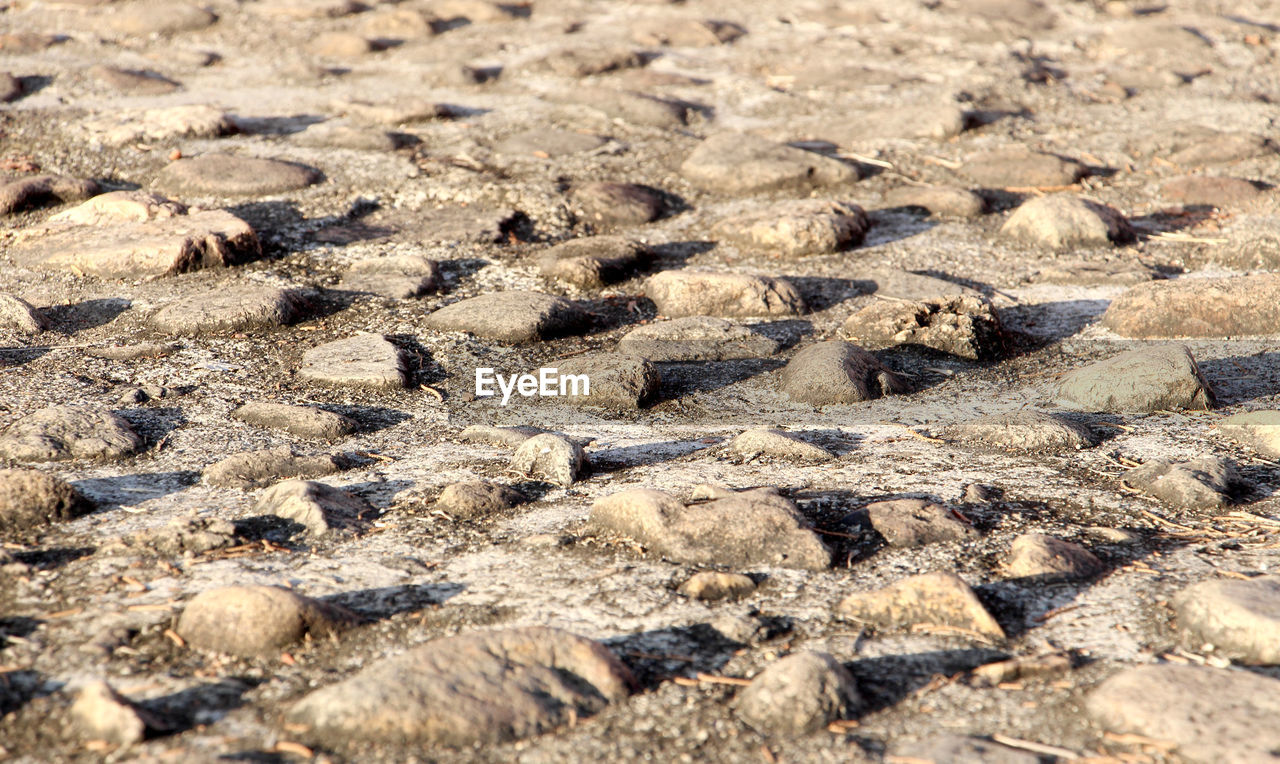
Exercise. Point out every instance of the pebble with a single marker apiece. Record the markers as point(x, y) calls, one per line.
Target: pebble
point(303, 421)
point(712, 586)
point(476, 11)
point(797, 227)
point(1240, 619)
point(1164, 378)
point(632, 107)
point(365, 360)
point(44, 190)
point(388, 25)
point(1021, 168)
point(165, 124)
point(766, 441)
point(510, 316)
point(340, 45)
point(686, 33)
point(252, 621)
point(728, 295)
point(936, 122)
point(398, 277)
point(697, 338)
point(1209, 191)
point(1025, 431)
point(916, 522)
point(549, 143)
point(587, 62)
point(798, 695)
point(757, 527)
point(180, 537)
point(1230, 306)
point(930, 599)
point(593, 261)
point(550, 456)
point(10, 87)
point(134, 81)
point(226, 174)
point(253, 469)
point(966, 326)
point(232, 308)
point(962, 749)
point(329, 135)
point(157, 17)
point(610, 205)
point(1063, 221)
point(20, 317)
point(507, 437)
point(835, 372)
point(58, 433)
point(315, 506)
point(31, 500)
point(1046, 558)
point(476, 498)
point(617, 380)
point(1208, 715)
point(1259, 430)
point(738, 163)
point(942, 201)
point(488, 686)
point(101, 713)
point(1202, 484)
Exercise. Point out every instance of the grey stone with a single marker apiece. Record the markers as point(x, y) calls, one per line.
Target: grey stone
point(736, 163)
point(757, 527)
point(510, 316)
point(328, 135)
point(1063, 221)
point(617, 204)
point(799, 227)
point(303, 421)
point(179, 537)
point(593, 261)
point(835, 372)
point(251, 469)
point(401, 111)
point(579, 62)
point(44, 190)
point(935, 121)
point(1259, 430)
point(550, 456)
point(157, 17)
point(697, 338)
point(1138, 381)
point(399, 277)
point(1025, 431)
point(141, 82)
point(31, 500)
point(765, 441)
point(317, 507)
point(507, 437)
point(1045, 558)
point(1021, 168)
point(228, 175)
point(799, 694)
point(930, 599)
point(1202, 484)
point(231, 309)
point(476, 498)
point(549, 142)
point(710, 586)
point(365, 360)
point(69, 432)
point(1209, 191)
point(1230, 306)
point(966, 326)
point(100, 713)
point(943, 201)
point(1240, 619)
point(633, 107)
point(164, 124)
point(916, 522)
point(616, 380)
point(257, 620)
point(19, 316)
point(731, 295)
point(962, 749)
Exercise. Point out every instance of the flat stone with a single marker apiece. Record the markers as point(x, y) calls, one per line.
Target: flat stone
point(386, 25)
point(697, 338)
point(100, 713)
point(165, 124)
point(254, 621)
point(510, 316)
point(728, 295)
point(966, 326)
point(711, 586)
point(303, 421)
point(1082, 273)
point(617, 380)
point(632, 107)
point(962, 749)
point(29, 42)
point(10, 87)
point(1062, 221)
point(1199, 148)
point(327, 135)
point(404, 111)
point(838, 372)
point(141, 82)
point(20, 317)
point(365, 360)
point(1209, 191)
point(31, 500)
point(156, 17)
point(1209, 715)
point(686, 33)
point(340, 45)
point(69, 432)
point(507, 437)
point(317, 507)
point(757, 527)
point(399, 277)
point(799, 227)
point(916, 522)
point(1138, 381)
point(593, 261)
point(44, 190)
point(231, 309)
point(611, 205)
point(1021, 168)
point(550, 456)
point(930, 599)
point(942, 201)
point(579, 62)
point(1259, 430)
point(928, 122)
point(766, 441)
point(253, 469)
point(1046, 558)
point(549, 142)
point(180, 537)
point(1240, 619)
point(225, 174)
point(1025, 431)
point(476, 11)
point(1200, 484)
point(476, 498)
point(798, 695)
point(487, 686)
point(737, 163)
point(1230, 306)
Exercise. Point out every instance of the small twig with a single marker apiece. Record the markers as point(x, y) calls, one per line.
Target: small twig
point(915, 434)
point(1040, 748)
point(438, 395)
point(729, 680)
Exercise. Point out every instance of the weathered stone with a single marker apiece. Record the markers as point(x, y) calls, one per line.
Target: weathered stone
point(43, 190)
point(365, 360)
point(916, 522)
point(481, 687)
point(1083, 273)
point(257, 620)
point(736, 163)
point(630, 106)
point(1259, 430)
point(30, 500)
point(330, 135)
point(69, 432)
point(686, 33)
point(794, 228)
point(225, 174)
point(732, 295)
point(251, 469)
point(477, 498)
point(132, 80)
point(710, 586)
point(402, 111)
point(929, 122)
point(231, 309)
point(1025, 431)
point(549, 142)
point(593, 261)
point(579, 62)
point(121, 207)
point(1197, 148)
point(757, 527)
point(303, 421)
point(1231, 306)
point(550, 456)
point(838, 372)
point(508, 437)
point(157, 17)
point(179, 537)
point(1045, 558)
point(1240, 619)
point(20, 317)
point(1021, 168)
point(931, 599)
point(340, 45)
point(943, 201)
point(165, 124)
point(697, 338)
point(100, 713)
point(1202, 484)
point(1209, 191)
point(476, 11)
point(617, 204)
point(510, 316)
point(616, 380)
point(766, 441)
point(963, 325)
point(1138, 381)
point(962, 749)
point(799, 694)
point(317, 507)
point(400, 277)
point(1062, 221)
point(396, 24)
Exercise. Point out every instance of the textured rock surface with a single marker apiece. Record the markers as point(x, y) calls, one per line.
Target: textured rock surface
point(1147, 379)
point(252, 469)
point(593, 261)
point(31, 500)
point(734, 163)
point(550, 456)
point(1257, 429)
point(931, 599)
point(1025, 431)
point(965, 325)
point(365, 360)
point(226, 174)
point(792, 228)
point(231, 310)
point(1240, 619)
point(256, 620)
point(1206, 483)
point(317, 507)
point(303, 421)
point(509, 316)
point(798, 694)
point(916, 522)
point(69, 432)
point(767, 441)
point(1211, 307)
point(838, 372)
point(616, 380)
point(729, 295)
point(697, 338)
point(1035, 555)
point(1064, 222)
